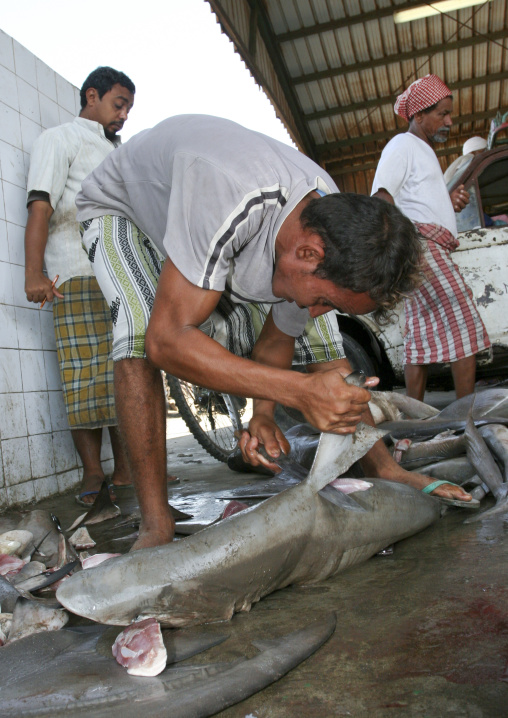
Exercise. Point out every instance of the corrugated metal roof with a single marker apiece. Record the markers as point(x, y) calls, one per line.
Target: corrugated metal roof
point(333, 68)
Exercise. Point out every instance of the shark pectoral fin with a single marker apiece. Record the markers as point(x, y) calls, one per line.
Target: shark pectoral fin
point(340, 499)
point(309, 638)
point(182, 644)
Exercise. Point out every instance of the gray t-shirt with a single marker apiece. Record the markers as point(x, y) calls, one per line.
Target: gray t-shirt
point(212, 196)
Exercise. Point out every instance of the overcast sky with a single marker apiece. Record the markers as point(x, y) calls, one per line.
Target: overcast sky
point(173, 50)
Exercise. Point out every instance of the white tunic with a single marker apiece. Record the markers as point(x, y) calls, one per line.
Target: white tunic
point(61, 159)
point(410, 171)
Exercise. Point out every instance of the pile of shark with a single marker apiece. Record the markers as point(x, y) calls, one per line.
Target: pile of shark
point(317, 517)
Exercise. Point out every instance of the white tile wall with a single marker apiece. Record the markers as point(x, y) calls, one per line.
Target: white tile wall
point(28, 101)
point(57, 411)
point(9, 334)
point(30, 130)
point(12, 164)
point(4, 247)
point(10, 125)
point(33, 371)
point(37, 454)
point(6, 295)
point(20, 493)
point(64, 452)
point(16, 458)
point(46, 487)
point(6, 51)
point(68, 480)
point(10, 374)
point(29, 329)
point(12, 408)
point(38, 420)
point(46, 80)
point(16, 243)
point(52, 370)
point(8, 88)
point(41, 455)
point(15, 203)
point(66, 95)
point(24, 63)
point(49, 112)
point(2, 483)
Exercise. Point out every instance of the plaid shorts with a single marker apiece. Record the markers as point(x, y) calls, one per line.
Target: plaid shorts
point(127, 265)
point(84, 341)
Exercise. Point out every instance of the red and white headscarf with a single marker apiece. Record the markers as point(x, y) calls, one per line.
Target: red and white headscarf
point(421, 94)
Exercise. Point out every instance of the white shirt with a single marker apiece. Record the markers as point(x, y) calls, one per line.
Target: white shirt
point(410, 171)
point(61, 159)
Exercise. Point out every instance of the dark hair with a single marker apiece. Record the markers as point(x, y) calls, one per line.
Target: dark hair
point(102, 79)
point(370, 246)
point(432, 107)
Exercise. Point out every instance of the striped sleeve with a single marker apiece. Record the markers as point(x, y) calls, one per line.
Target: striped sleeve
point(210, 217)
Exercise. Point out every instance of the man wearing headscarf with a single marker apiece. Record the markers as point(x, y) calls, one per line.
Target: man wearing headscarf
point(473, 146)
point(442, 320)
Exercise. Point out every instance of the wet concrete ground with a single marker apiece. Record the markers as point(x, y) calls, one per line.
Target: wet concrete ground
point(422, 632)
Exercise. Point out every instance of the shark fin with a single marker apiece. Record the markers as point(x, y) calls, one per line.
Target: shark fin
point(336, 453)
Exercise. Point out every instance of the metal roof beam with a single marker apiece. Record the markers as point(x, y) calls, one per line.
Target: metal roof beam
point(268, 36)
point(358, 19)
point(401, 57)
point(329, 150)
point(390, 99)
point(259, 21)
point(345, 167)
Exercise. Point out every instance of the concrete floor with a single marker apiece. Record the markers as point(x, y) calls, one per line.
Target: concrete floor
point(422, 632)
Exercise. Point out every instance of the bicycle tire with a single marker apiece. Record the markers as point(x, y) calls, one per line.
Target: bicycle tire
point(212, 417)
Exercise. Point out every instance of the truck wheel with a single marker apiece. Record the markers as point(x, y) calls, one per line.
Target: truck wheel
point(358, 357)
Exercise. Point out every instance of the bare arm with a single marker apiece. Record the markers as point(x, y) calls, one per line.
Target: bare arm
point(262, 427)
point(175, 343)
point(384, 194)
point(37, 285)
point(276, 349)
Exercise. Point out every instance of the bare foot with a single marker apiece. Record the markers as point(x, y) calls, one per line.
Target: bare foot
point(149, 538)
point(116, 482)
point(120, 479)
point(447, 491)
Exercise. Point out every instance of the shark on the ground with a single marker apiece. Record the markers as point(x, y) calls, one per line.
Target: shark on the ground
point(303, 535)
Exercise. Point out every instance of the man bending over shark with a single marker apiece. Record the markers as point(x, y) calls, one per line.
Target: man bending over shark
point(198, 211)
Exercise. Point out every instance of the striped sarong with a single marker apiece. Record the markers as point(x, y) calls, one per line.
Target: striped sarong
point(442, 321)
point(84, 341)
point(127, 265)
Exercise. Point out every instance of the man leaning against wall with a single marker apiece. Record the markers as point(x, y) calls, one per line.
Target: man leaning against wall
point(61, 159)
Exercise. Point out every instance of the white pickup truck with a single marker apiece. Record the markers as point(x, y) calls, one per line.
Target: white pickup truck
point(483, 258)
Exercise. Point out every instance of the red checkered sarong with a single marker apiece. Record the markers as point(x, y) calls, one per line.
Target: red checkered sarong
point(442, 320)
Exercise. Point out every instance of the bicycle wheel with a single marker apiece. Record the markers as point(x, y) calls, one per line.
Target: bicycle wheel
point(212, 417)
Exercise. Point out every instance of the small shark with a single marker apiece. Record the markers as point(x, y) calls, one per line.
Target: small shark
point(301, 536)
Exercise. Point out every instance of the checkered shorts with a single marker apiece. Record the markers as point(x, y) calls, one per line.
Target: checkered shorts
point(84, 341)
point(443, 323)
point(127, 265)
